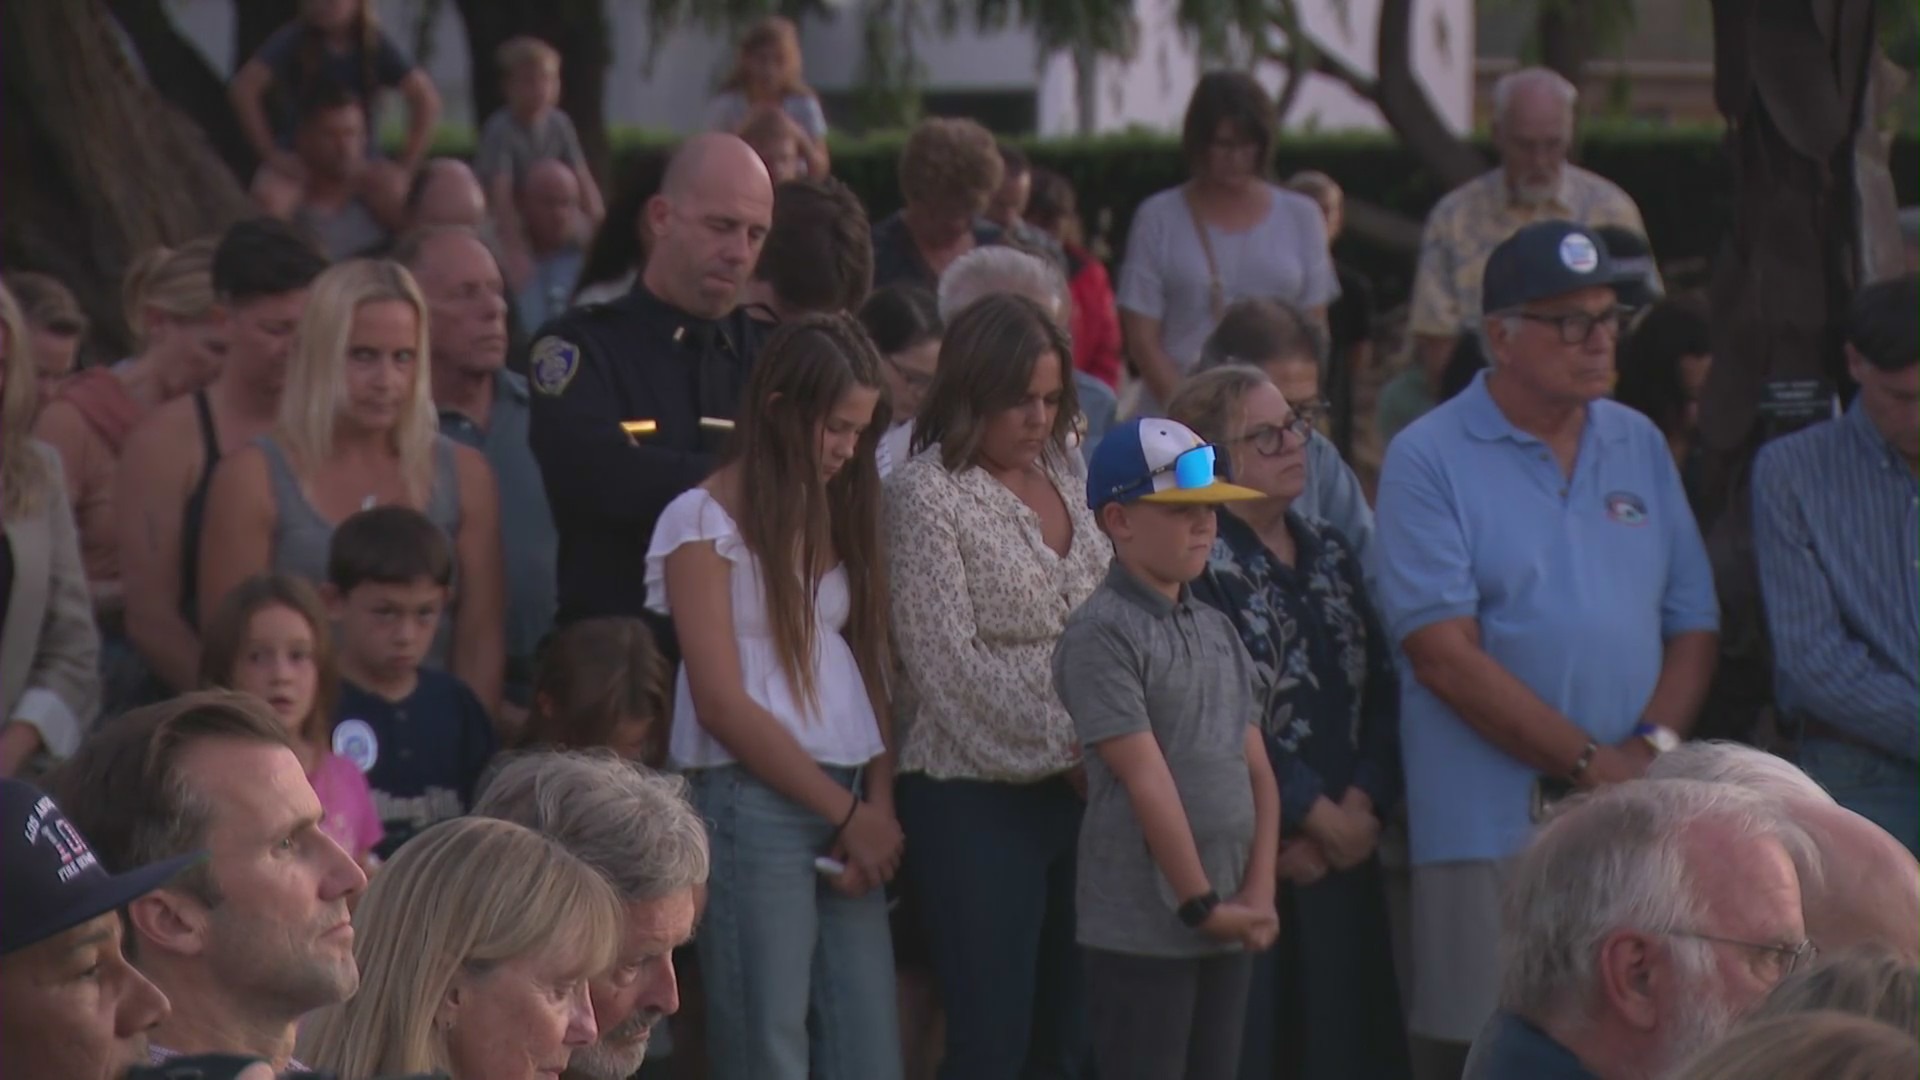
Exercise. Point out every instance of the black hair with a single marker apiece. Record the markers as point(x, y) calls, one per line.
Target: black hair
point(1228, 96)
point(264, 256)
point(1880, 324)
point(325, 96)
point(898, 317)
point(1649, 361)
point(388, 545)
point(1052, 200)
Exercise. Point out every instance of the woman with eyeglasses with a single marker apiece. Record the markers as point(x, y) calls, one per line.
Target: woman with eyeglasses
point(1324, 1003)
point(904, 323)
point(1226, 234)
point(1277, 339)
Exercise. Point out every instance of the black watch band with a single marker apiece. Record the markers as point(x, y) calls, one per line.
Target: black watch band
point(1195, 911)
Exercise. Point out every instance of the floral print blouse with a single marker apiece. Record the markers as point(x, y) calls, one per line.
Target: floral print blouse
point(1321, 663)
point(978, 601)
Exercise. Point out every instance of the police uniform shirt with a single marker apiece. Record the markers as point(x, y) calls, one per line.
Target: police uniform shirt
point(422, 755)
point(668, 375)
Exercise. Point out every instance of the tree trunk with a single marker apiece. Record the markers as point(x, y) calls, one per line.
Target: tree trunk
point(96, 166)
point(1404, 102)
point(182, 75)
point(579, 29)
point(1565, 36)
point(1791, 83)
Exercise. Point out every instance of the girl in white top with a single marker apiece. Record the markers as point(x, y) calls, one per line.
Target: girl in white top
point(772, 573)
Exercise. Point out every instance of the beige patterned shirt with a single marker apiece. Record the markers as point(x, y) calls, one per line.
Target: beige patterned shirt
point(1476, 217)
point(979, 600)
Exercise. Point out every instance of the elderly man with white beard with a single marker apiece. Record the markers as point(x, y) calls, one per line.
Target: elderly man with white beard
point(1639, 925)
point(1533, 130)
point(637, 828)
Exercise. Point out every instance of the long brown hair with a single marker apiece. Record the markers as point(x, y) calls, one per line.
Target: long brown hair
point(776, 30)
point(594, 674)
point(788, 518)
point(226, 638)
point(986, 364)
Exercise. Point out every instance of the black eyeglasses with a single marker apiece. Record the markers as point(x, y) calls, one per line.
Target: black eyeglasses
point(915, 380)
point(1785, 959)
point(1576, 328)
point(1270, 439)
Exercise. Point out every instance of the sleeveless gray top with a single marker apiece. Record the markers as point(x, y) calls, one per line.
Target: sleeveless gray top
point(301, 536)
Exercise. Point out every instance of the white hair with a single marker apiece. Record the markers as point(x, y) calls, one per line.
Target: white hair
point(1532, 78)
point(1000, 269)
point(1720, 762)
point(623, 819)
point(1618, 860)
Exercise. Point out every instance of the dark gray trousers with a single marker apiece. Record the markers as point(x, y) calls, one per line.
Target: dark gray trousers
point(1158, 1019)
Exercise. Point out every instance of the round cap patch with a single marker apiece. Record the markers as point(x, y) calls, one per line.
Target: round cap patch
point(355, 741)
point(1578, 254)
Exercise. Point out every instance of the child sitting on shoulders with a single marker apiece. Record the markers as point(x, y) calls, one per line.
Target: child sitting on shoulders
point(530, 128)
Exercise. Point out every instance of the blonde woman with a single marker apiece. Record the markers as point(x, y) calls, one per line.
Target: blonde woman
point(48, 649)
point(169, 302)
point(357, 429)
point(768, 73)
point(469, 972)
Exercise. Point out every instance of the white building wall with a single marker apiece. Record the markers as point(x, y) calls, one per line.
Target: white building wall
point(670, 90)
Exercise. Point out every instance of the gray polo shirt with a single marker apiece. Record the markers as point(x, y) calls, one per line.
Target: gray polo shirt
point(1131, 660)
point(529, 544)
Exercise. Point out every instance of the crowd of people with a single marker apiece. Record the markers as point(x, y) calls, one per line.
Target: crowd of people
point(999, 663)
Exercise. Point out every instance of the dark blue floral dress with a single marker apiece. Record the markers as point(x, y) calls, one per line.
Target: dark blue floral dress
point(1324, 1004)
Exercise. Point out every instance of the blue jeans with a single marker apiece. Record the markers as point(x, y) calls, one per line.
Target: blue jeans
point(799, 978)
point(1879, 787)
point(992, 869)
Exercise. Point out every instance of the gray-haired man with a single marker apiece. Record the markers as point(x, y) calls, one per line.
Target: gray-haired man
point(636, 827)
point(1638, 925)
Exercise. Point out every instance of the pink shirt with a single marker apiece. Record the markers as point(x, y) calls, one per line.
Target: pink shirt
point(350, 817)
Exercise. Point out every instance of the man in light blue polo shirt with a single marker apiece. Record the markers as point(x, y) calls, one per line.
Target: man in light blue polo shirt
point(1537, 563)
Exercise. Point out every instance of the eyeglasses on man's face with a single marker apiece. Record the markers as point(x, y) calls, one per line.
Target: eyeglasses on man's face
point(1577, 327)
point(1776, 961)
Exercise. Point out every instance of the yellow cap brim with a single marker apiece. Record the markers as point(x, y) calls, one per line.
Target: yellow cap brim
point(1217, 492)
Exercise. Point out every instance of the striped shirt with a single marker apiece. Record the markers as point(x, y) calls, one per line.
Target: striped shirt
point(1836, 529)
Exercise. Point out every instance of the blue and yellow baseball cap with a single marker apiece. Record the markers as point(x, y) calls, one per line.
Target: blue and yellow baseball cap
point(1158, 461)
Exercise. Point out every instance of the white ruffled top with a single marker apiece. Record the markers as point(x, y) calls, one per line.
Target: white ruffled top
point(840, 728)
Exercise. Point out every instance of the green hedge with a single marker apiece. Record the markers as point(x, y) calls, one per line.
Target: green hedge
point(1678, 176)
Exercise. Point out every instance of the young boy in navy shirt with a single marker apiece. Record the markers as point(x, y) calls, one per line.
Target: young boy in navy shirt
point(421, 736)
point(1179, 845)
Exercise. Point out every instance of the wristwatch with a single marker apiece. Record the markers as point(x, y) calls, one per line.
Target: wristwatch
point(1195, 911)
point(1662, 739)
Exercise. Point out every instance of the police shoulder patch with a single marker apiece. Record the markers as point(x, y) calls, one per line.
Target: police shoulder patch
point(553, 364)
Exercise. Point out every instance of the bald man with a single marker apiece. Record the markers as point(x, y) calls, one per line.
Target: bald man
point(446, 193)
point(548, 201)
point(1868, 889)
point(633, 398)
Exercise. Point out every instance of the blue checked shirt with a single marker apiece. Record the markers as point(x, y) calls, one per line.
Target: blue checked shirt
point(1836, 529)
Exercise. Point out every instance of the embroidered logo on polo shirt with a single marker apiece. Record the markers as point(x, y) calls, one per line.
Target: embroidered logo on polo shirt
point(1578, 254)
point(355, 741)
point(1626, 508)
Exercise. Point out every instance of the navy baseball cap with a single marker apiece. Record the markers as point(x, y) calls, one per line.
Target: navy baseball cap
point(53, 881)
point(1158, 461)
point(1548, 259)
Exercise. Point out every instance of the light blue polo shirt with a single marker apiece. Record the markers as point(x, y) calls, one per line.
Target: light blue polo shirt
point(1576, 585)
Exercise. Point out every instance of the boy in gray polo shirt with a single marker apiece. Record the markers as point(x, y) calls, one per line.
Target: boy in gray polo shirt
point(1182, 807)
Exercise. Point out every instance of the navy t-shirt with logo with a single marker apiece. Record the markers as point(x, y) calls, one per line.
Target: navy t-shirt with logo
point(422, 755)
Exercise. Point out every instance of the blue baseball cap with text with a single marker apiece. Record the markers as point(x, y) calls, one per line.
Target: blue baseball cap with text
point(1548, 259)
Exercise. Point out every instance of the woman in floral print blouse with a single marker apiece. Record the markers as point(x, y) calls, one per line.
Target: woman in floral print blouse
point(1324, 1003)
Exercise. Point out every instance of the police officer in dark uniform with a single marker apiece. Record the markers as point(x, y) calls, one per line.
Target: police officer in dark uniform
point(634, 399)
